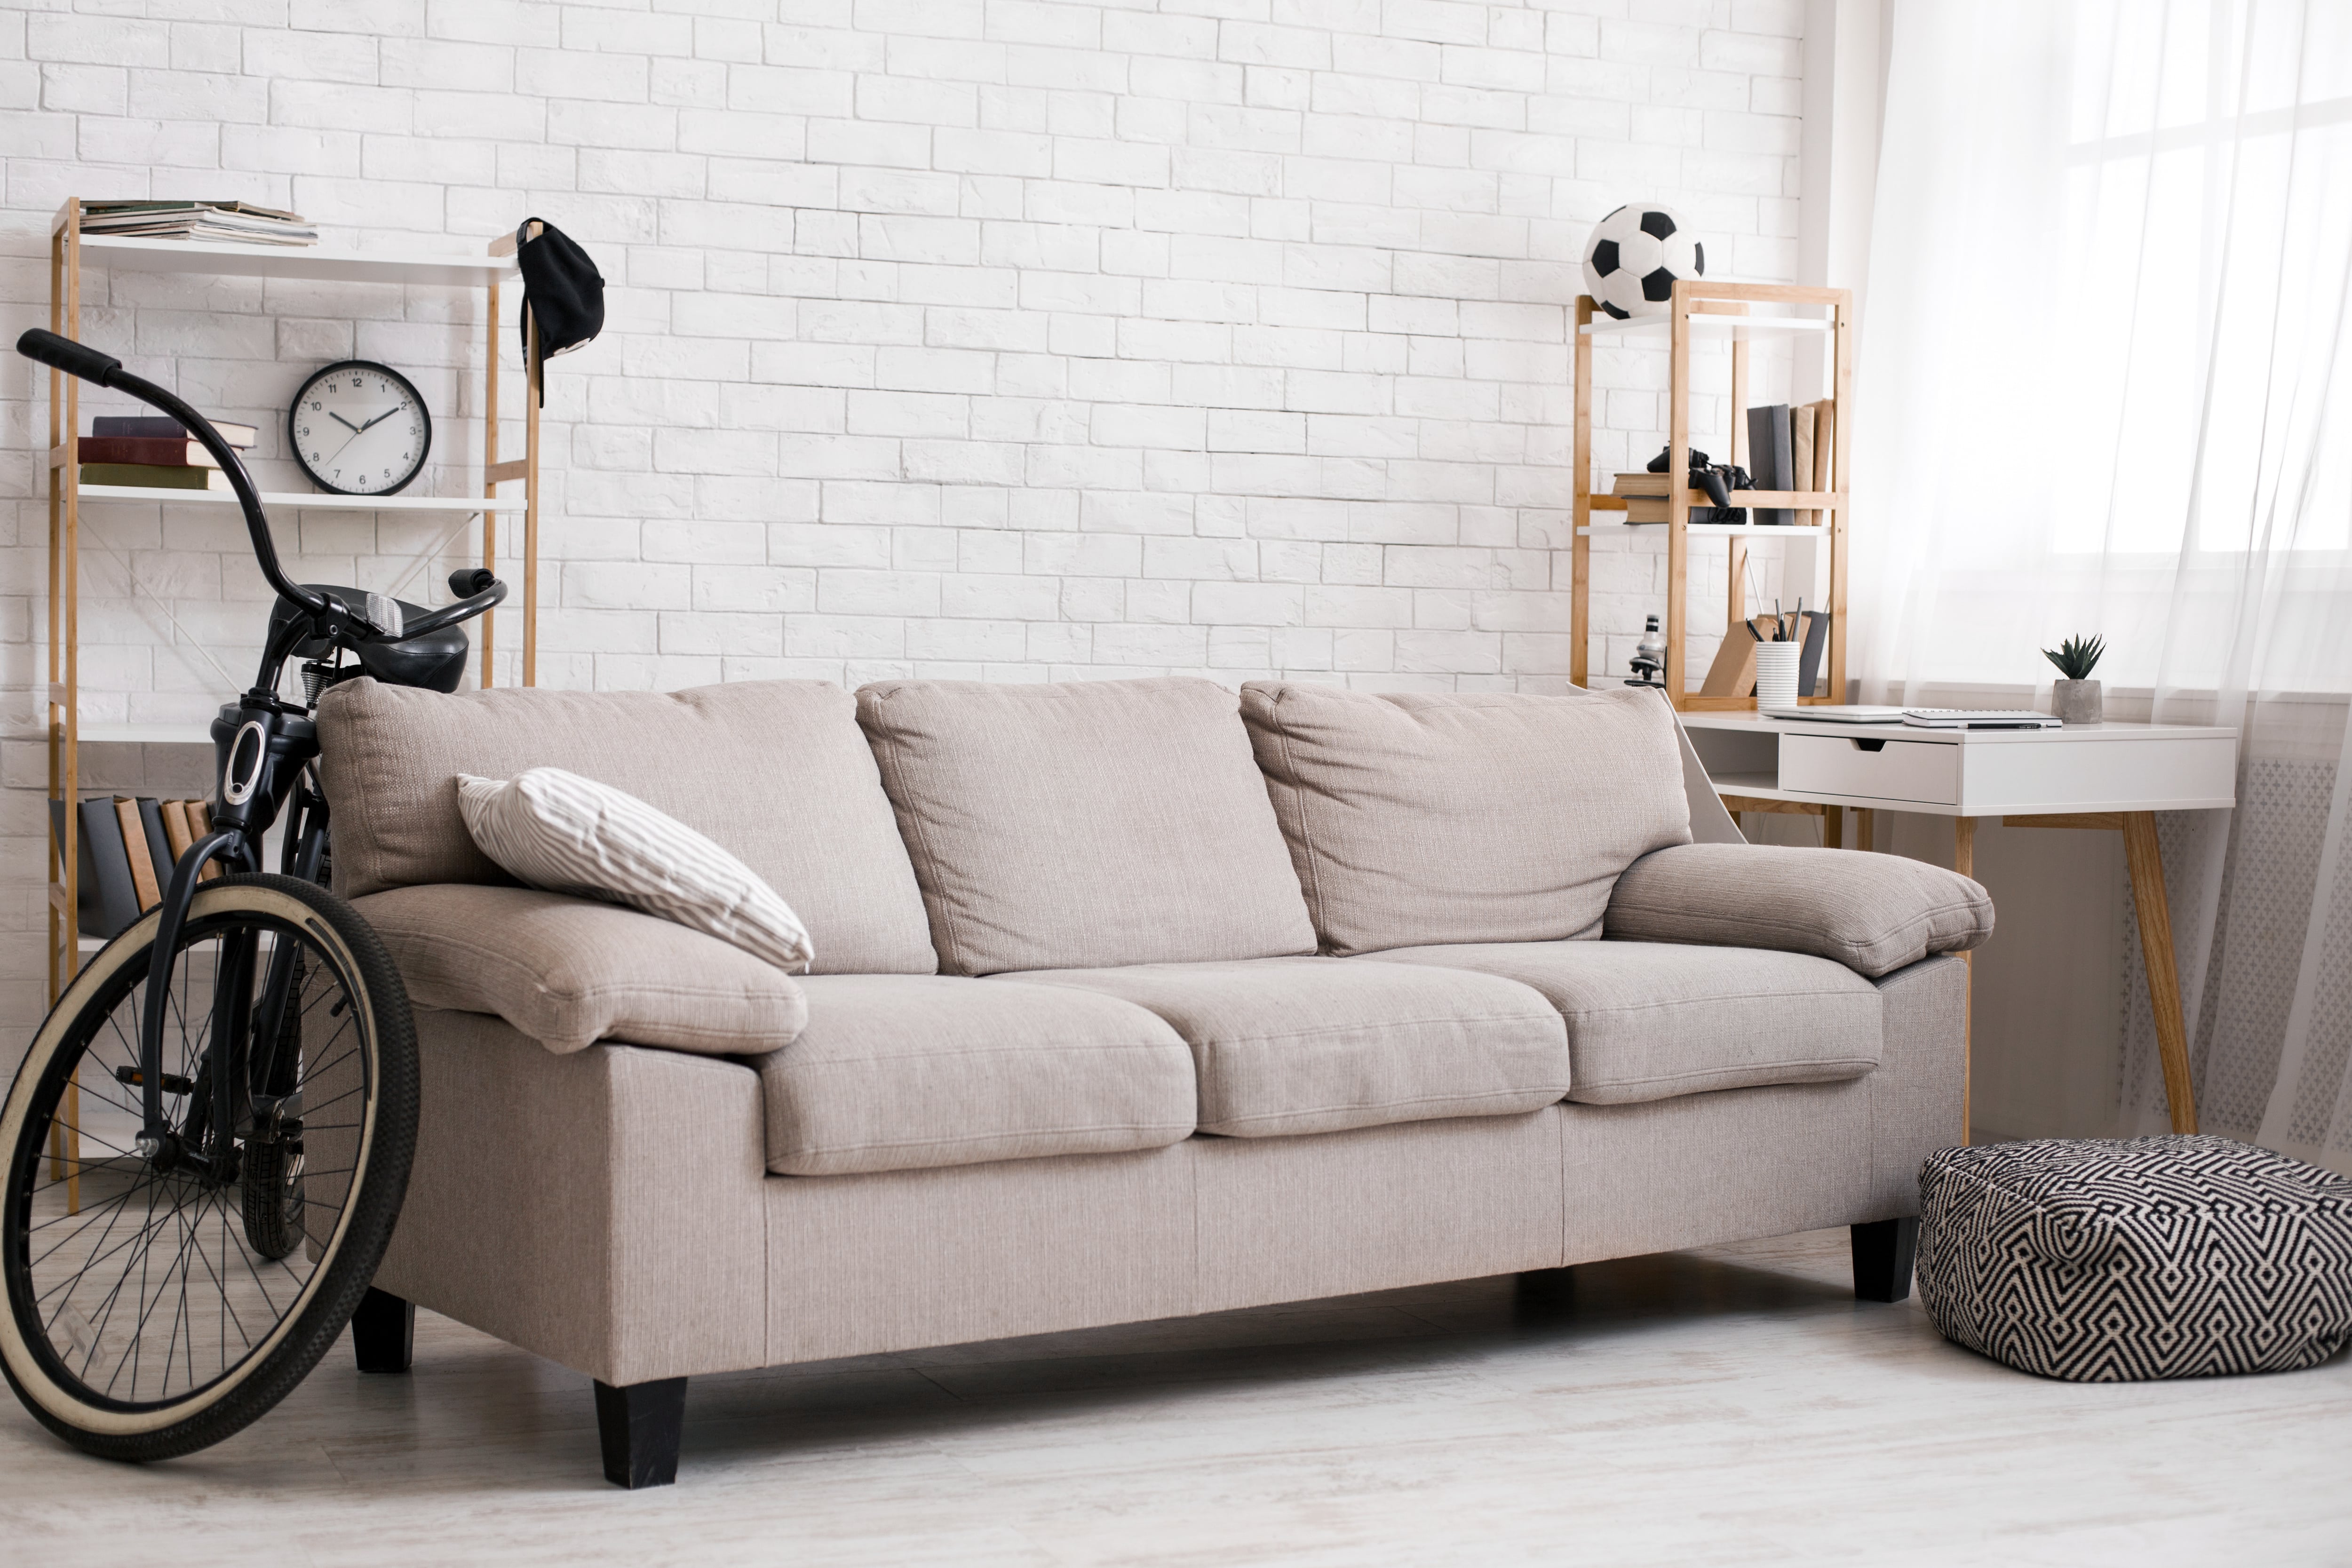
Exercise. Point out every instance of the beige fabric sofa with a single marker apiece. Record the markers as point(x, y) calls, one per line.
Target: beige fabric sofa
point(1130, 1000)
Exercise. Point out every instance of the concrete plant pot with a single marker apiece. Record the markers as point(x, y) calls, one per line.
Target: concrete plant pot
point(2075, 701)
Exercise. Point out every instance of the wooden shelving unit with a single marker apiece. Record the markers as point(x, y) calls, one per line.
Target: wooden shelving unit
point(1702, 310)
point(69, 252)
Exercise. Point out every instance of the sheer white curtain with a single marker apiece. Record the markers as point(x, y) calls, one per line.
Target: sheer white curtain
point(2105, 386)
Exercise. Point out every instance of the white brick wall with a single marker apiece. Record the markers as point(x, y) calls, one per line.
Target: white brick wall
point(974, 337)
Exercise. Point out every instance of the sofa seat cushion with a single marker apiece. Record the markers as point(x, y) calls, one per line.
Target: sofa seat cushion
point(1421, 817)
point(898, 1072)
point(1286, 1045)
point(569, 971)
point(776, 773)
point(1085, 825)
point(1652, 1020)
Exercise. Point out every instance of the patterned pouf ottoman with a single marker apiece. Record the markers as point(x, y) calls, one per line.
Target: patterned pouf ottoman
point(2113, 1261)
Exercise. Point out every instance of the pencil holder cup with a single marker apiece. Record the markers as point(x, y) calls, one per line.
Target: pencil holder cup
point(1776, 674)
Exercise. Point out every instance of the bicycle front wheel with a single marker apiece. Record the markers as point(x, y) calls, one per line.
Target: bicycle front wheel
point(149, 1313)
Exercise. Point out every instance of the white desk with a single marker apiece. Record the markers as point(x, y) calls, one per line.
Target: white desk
point(2111, 776)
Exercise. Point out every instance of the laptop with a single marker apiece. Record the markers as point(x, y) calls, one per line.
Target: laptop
point(1838, 714)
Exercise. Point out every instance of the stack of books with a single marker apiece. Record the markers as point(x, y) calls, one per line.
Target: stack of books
point(1645, 498)
point(155, 452)
point(127, 850)
point(218, 222)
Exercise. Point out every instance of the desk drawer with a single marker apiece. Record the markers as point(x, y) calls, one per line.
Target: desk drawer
point(1900, 770)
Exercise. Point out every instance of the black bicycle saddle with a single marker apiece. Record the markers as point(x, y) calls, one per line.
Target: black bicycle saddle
point(435, 661)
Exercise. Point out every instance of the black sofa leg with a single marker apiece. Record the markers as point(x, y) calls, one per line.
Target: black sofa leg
point(639, 1426)
point(1884, 1251)
point(383, 1332)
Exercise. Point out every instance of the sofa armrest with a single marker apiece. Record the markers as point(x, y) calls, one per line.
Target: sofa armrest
point(570, 972)
point(1874, 913)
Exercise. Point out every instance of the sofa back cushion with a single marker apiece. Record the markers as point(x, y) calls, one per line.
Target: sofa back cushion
point(1085, 825)
point(776, 771)
point(1456, 817)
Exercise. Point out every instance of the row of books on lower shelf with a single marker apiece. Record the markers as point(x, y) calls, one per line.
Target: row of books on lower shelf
point(127, 850)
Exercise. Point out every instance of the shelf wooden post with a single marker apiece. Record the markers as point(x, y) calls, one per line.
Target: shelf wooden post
point(1678, 670)
point(532, 392)
point(65, 667)
point(1580, 604)
point(489, 475)
point(1842, 481)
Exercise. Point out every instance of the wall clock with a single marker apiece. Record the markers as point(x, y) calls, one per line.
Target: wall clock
point(359, 428)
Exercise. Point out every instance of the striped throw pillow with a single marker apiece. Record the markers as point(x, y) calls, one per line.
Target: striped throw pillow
point(560, 833)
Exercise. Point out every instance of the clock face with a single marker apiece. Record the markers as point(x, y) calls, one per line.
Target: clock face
point(359, 429)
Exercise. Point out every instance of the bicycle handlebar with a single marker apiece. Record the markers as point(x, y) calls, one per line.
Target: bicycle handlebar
point(65, 354)
point(103, 370)
point(487, 591)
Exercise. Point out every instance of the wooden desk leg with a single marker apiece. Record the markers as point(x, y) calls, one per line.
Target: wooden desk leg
point(1866, 821)
point(1833, 827)
point(2146, 861)
point(1964, 861)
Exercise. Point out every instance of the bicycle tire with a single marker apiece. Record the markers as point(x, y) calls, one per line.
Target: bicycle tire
point(342, 1263)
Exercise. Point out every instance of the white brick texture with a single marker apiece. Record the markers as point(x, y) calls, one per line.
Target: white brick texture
point(960, 337)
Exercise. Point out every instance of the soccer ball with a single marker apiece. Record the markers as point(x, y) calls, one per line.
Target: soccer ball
point(1634, 255)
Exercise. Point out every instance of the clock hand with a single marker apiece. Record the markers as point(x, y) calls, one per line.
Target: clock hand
point(381, 417)
point(356, 431)
point(346, 423)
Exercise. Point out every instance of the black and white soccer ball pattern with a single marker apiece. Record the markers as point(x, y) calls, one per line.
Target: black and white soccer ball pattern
point(1633, 257)
point(2102, 1261)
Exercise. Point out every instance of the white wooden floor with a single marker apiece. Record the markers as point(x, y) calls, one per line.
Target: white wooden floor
point(1735, 1405)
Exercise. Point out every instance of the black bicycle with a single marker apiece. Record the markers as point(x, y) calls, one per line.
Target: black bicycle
point(209, 1140)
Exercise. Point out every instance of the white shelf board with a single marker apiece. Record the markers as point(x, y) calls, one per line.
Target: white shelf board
point(328, 263)
point(1708, 529)
point(145, 736)
point(1706, 326)
point(308, 500)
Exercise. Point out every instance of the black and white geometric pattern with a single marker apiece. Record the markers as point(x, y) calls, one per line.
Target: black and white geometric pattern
point(2102, 1261)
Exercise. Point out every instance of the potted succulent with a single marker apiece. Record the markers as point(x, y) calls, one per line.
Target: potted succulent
point(2076, 700)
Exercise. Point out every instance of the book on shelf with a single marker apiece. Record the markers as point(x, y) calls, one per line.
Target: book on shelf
point(1808, 661)
point(236, 223)
point(125, 850)
point(146, 451)
point(1771, 463)
point(159, 842)
point(106, 902)
point(155, 476)
point(1824, 447)
point(158, 427)
point(1801, 452)
point(176, 836)
point(89, 916)
point(144, 884)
